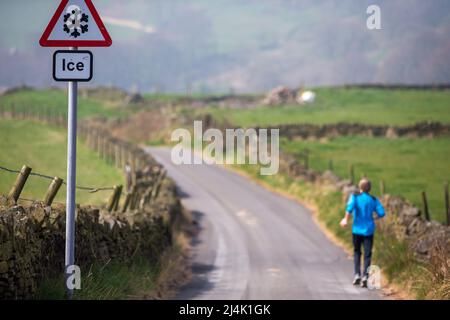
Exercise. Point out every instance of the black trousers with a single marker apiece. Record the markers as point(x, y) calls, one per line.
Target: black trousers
point(367, 242)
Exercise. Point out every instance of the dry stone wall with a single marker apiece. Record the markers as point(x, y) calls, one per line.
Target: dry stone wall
point(310, 131)
point(32, 237)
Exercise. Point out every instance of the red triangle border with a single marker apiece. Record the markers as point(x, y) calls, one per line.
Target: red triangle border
point(44, 42)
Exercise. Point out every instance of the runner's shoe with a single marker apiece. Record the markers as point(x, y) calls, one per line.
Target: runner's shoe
point(364, 282)
point(356, 280)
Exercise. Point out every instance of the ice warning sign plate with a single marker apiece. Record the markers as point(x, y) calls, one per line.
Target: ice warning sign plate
point(76, 23)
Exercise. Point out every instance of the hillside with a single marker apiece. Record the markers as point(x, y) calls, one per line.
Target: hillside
point(232, 45)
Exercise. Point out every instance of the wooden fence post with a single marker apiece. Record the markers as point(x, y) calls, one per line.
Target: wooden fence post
point(148, 195)
point(129, 157)
point(89, 136)
point(21, 179)
point(52, 191)
point(94, 137)
point(103, 147)
point(425, 205)
point(447, 204)
point(117, 199)
point(113, 152)
point(112, 199)
point(145, 198)
point(83, 132)
point(382, 187)
point(99, 144)
point(158, 183)
point(117, 155)
point(106, 149)
point(134, 198)
point(352, 174)
point(133, 163)
point(109, 151)
point(126, 202)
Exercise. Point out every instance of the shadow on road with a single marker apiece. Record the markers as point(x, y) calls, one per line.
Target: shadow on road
point(201, 273)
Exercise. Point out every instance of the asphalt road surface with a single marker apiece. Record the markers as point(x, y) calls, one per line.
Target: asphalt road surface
point(254, 244)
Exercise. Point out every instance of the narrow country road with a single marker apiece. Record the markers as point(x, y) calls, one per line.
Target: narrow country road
point(254, 244)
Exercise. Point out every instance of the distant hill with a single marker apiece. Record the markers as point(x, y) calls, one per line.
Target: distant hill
point(241, 45)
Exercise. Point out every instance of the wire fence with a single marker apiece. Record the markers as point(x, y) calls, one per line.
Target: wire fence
point(44, 176)
point(109, 148)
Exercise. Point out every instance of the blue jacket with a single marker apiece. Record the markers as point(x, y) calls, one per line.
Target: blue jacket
point(362, 206)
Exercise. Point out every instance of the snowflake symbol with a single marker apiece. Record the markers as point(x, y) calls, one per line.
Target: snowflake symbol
point(75, 22)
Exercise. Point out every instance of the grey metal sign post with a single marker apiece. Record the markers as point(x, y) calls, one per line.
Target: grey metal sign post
point(71, 176)
point(71, 66)
point(76, 23)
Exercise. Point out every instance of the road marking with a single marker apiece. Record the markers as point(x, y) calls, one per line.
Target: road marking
point(274, 272)
point(247, 218)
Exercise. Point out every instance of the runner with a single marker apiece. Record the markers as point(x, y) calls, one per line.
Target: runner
point(362, 205)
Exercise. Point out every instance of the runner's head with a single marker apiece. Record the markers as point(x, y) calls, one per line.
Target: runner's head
point(364, 185)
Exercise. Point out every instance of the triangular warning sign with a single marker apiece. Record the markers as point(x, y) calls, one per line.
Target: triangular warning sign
point(76, 23)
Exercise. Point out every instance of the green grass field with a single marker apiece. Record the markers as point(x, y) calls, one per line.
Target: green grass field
point(408, 166)
point(369, 106)
point(55, 101)
point(43, 148)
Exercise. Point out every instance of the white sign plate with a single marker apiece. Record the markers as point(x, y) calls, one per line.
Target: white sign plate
point(71, 65)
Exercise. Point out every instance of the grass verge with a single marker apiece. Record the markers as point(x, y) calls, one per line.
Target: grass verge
point(106, 282)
